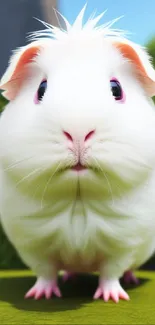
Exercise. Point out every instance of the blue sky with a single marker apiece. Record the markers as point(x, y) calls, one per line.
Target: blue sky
point(139, 15)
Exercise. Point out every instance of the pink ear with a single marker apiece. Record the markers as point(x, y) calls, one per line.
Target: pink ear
point(16, 72)
point(142, 63)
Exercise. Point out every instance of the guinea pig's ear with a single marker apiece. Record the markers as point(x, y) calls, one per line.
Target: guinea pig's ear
point(17, 70)
point(142, 63)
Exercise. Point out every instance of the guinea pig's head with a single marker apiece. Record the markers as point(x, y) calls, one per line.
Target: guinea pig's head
point(80, 109)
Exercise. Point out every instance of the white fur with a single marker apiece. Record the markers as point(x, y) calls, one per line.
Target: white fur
point(105, 218)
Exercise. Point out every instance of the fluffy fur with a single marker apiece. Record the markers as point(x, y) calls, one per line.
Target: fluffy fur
point(102, 219)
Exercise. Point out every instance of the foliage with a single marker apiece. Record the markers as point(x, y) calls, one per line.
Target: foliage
point(3, 102)
point(151, 51)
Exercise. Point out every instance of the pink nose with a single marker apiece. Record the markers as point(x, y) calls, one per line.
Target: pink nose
point(87, 137)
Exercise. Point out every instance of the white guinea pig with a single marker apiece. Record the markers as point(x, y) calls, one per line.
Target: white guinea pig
point(77, 156)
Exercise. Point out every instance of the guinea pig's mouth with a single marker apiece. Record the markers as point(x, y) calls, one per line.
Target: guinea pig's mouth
point(78, 167)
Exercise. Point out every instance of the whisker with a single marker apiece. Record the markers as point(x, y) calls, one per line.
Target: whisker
point(49, 180)
point(28, 176)
point(110, 188)
point(38, 185)
point(11, 166)
point(104, 173)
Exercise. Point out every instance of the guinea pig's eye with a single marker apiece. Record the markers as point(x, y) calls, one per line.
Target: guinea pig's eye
point(41, 90)
point(116, 89)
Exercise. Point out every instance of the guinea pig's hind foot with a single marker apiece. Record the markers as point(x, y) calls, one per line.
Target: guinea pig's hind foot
point(130, 278)
point(110, 289)
point(43, 288)
point(67, 276)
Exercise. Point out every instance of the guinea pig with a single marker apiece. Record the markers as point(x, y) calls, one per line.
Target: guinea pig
point(77, 155)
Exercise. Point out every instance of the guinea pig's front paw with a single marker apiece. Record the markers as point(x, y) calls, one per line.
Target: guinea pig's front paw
point(43, 288)
point(111, 289)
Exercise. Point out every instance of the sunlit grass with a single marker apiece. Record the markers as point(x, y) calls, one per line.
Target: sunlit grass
point(77, 305)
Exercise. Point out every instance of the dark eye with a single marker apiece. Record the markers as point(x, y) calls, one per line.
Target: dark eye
point(41, 90)
point(116, 89)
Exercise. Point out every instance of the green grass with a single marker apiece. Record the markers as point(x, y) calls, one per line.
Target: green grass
point(77, 305)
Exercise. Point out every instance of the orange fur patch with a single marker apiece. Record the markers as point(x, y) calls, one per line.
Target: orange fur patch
point(16, 80)
point(129, 53)
point(26, 58)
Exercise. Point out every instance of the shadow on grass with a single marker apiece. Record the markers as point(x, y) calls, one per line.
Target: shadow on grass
point(76, 293)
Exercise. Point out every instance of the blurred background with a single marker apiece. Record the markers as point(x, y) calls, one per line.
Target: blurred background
point(17, 19)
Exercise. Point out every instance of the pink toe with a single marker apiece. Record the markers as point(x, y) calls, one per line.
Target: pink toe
point(48, 293)
point(98, 293)
point(30, 293)
point(106, 296)
point(123, 295)
point(57, 292)
point(39, 294)
point(114, 297)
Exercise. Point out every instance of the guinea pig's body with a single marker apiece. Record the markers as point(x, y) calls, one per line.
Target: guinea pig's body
point(78, 233)
point(77, 158)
